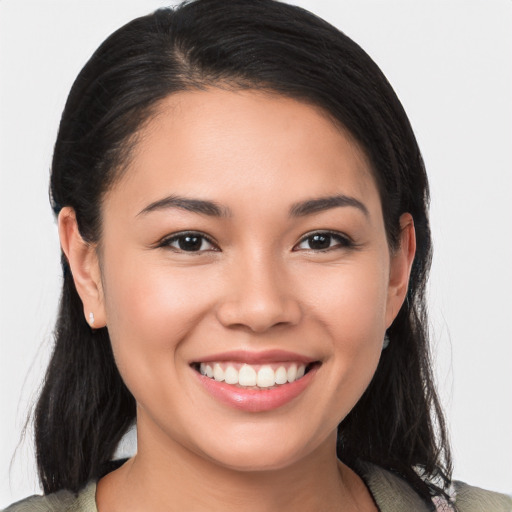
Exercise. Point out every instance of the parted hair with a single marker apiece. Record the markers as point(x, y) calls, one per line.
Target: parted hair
point(84, 407)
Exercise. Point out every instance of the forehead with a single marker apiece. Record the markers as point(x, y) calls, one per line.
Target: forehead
point(248, 145)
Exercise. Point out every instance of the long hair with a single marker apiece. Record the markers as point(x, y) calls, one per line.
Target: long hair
point(84, 407)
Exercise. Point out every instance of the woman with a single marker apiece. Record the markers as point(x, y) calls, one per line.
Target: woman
point(242, 212)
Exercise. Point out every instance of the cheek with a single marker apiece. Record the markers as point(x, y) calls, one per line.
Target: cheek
point(350, 299)
point(150, 308)
point(151, 311)
point(349, 302)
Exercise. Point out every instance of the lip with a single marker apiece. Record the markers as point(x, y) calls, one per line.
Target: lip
point(257, 400)
point(250, 357)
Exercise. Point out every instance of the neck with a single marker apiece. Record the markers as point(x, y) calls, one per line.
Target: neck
point(163, 477)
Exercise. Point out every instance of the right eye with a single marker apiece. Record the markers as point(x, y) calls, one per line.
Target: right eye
point(188, 242)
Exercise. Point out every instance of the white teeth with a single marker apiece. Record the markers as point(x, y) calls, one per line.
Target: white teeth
point(266, 377)
point(247, 376)
point(218, 372)
point(281, 375)
point(206, 369)
point(292, 373)
point(231, 375)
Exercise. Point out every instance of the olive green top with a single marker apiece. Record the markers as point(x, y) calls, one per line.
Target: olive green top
point(390, 492)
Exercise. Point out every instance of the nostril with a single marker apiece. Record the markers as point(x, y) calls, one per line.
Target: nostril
point(258, 315)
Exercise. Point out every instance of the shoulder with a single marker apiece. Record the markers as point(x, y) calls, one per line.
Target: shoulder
point(394, 494)
point(61, 501)
point(474, 499)
point(390, 492)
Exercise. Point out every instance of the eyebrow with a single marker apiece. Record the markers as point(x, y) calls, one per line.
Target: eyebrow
point(201, 206)
point(326, 203)
point(213, 209)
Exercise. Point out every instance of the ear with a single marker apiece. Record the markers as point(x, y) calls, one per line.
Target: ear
point(400, 268)
point(83, 261)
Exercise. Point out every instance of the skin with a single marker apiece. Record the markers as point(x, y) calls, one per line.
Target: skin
point(258, 286)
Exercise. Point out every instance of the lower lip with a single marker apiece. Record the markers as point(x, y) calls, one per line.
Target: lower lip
point(254, 400)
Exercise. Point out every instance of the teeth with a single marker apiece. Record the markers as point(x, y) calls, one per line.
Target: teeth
point(206, 369)
point(291, 374)
point(246, 375)
point(231, 375)
point(281, 375)
point(266, 377)
point(218, 372)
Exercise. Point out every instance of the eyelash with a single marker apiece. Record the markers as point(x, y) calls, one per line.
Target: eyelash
point(342, 241)
point(166, 242)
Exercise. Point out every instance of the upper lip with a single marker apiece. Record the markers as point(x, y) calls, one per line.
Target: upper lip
point(256, 357)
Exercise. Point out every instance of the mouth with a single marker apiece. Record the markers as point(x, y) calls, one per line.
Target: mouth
point(255, 382)
point(265, 376)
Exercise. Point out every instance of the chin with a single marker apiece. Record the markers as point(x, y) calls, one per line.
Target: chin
point(255, 461)
point(246, 454)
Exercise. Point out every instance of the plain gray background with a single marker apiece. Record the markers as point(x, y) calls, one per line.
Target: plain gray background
point(450, 62)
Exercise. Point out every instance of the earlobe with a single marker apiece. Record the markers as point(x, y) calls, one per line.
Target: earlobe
point(83, 261)
point(400, 267)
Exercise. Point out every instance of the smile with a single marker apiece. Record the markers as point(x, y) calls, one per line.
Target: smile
point(252, 376)
point(255, 382)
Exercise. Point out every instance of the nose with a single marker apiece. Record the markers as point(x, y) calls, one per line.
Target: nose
point(259, 297)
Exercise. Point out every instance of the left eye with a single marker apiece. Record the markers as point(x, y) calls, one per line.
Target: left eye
point(189, 242)
point(323, 242)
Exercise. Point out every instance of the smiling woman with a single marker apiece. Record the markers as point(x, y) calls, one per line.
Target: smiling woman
point(246, 294)
point(243, 220)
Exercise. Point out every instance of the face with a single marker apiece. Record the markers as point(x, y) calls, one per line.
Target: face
point(243, 247)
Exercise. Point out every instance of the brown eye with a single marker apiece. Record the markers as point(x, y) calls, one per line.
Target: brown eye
point(319, 242)
point(323, 241)
point(188, 242)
